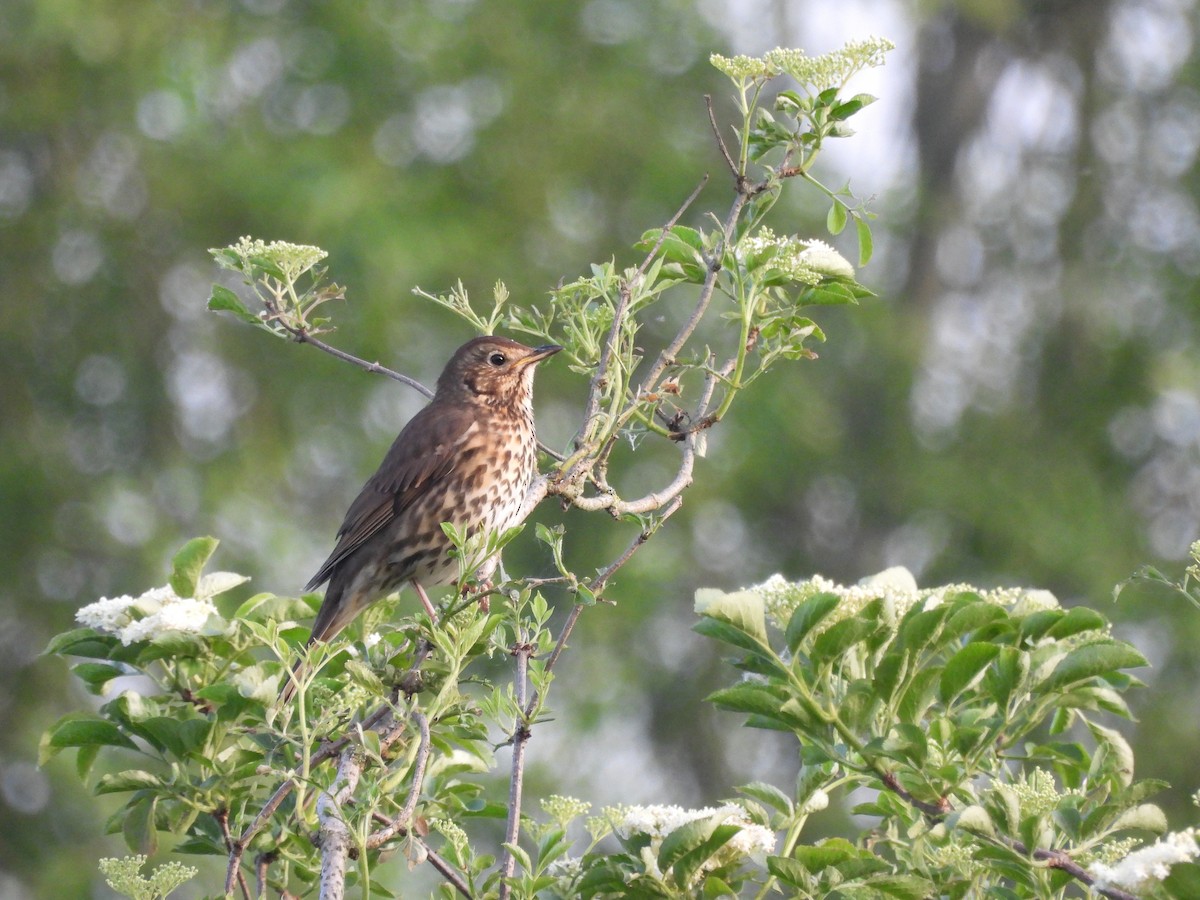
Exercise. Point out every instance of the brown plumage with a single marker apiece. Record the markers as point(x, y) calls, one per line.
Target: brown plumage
point(466, 458)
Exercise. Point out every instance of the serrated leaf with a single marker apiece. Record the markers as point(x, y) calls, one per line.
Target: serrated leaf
point(82, 730)
point(743, 610)
point(129, 780)
point(907, 887)
point(841, 636)
point(830, 852)
point(973, 818)
point(866, 242)
point(188, 562)
point(807, 616)
point(686, 848)
point(97, 675)
point(964, 667)
point(1078, 619)
point(1184, 881)
point(1146, 816)
point(1093, 660)
point(216, 583)
point(85, 642)
point(747, 698)
point(138, 826)
point(769, 795)
point(222, 299)
point(835, 220)
point(789, 871)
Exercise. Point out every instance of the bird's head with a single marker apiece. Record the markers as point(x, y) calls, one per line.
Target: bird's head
point(492, 370)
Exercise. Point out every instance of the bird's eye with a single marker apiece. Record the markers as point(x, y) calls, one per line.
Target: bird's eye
point(497, 359)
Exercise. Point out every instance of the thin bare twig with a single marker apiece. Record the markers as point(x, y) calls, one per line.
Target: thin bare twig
point(597, 584)
point(222, 817)
point(610, 343)
point(655, 499)
point(516, 782)
point(303, 337)
point(716, 129)
point(262, 864)
point(446, 870)
point(403, 819)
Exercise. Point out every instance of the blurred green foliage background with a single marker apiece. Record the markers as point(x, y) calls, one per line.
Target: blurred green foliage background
point(1021, 405)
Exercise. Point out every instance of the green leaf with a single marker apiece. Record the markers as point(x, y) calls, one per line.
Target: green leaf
point(807, 616)
point(97, 675)
point(748, 698)
point(1077, 619)
point(1008, 675)
point(741, 609)
point(964, 667)
point(364, 676)
point(179, 737)
point(1146, 816)
point(907, 887)
point(129, 780)
point(85, 642)
point(82, 730)
point(1184, 881)
point(831, 852)
point(840, 637)
point(1117, 758)
point(835, 221)
point(1093, 660)
point(769, 795)
point(223, 299)
point(789, 871)
point(866, 243)
point(138, 827)
point(187, 564)
point(974, 819)
point(686, 848)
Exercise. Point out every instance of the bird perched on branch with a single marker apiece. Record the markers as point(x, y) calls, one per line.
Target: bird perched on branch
point(466, 458)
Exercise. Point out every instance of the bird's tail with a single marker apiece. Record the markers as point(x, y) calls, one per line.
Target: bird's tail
point(338, 610)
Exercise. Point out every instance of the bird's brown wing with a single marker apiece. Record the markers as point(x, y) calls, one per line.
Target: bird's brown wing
point(424, 452)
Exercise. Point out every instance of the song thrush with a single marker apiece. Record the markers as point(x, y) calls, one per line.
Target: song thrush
point(466, 458)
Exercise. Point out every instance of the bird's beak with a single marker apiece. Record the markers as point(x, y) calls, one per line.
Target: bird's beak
point(538, 354)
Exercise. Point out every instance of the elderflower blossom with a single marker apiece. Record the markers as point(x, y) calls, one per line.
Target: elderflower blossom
point(1142, 869)
point(123, 875)
point(832, 69)
point(293, 260)
point(160, 610)
point(741, 66)
point(656, 822)
point(898, 590)
point(805, 261)
point(1037, 793)
point(563, 810)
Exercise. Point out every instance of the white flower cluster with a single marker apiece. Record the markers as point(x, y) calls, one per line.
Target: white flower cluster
point(830, 69)
point(895, 586)
point(292, 259)
point(160, 611)
point(1037, 793)
point(124, 875)
point(818, 72)
point(805, 261)
point(656, 822)
point(1141, 869)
